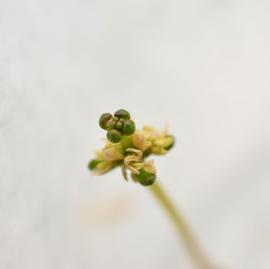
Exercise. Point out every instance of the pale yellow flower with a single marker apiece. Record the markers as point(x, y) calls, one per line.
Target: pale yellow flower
point(141, 140)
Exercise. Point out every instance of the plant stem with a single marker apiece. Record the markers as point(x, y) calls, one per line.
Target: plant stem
point(192, 246)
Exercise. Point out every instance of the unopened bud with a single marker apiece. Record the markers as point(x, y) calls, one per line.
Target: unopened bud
point(103, 120)
point(128, 127)
point(122, 114)
point(114, 136)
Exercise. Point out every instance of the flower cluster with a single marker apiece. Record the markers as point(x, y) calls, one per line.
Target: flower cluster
point(117, 126)
point(129, 148)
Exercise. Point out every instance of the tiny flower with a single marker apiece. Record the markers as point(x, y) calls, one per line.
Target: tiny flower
point(147, 174)
point(133, 160)
point(129, 148)
point(162, 145)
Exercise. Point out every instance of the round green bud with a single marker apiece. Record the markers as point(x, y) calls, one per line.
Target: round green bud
point(103, 120)
point(114, 136)
point(145, 178)
point(93, 164)
point(128, 127)
point(122, 114)
point(168, 147)
point(111, 124)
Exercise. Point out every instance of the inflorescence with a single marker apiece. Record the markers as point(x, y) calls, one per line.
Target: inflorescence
point(128, 148)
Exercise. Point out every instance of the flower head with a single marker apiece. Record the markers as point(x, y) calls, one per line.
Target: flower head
point(128, 148)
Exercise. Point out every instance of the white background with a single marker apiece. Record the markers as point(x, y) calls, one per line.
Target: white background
point(200, 66)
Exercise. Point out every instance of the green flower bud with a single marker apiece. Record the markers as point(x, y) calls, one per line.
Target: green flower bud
point(145, 178)
point(128, 127)
point(111, 124)
point(103, 120)
point(170, 142)
point(114, 136)
point(122, 114)
point(93, 164)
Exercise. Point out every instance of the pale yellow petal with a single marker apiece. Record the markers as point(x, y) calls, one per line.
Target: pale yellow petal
point(112, 154)
point(103, 167)
point(140, 141)
point(149, 167)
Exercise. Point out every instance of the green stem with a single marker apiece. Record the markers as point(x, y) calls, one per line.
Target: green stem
point(193, 248)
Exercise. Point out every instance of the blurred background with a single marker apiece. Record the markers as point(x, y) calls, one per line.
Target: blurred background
point(202, 67)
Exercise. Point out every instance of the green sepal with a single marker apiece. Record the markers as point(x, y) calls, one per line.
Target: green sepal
point(93, 164)
point(145, 178)
point(170, 146)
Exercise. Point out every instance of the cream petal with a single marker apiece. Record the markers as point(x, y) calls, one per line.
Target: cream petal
point(112, 154)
